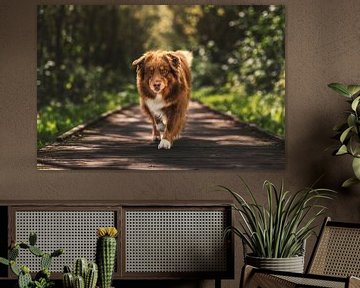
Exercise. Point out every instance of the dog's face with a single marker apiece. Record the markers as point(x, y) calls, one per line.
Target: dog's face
point(157, 70)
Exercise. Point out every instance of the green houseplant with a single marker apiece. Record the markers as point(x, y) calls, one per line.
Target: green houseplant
point(42, 278)
point(348, 132)
point(276, 233)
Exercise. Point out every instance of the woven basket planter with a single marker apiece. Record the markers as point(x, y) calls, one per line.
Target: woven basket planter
point(291, 264)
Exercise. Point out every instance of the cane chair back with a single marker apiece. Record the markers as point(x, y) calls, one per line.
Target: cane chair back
point(337, 252)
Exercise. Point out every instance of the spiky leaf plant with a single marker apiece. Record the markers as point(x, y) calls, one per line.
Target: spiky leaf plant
point(279, 229)
point(348, 132)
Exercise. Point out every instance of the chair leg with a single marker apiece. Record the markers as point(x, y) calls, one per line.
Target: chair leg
point(246, 273)
point(217, 283)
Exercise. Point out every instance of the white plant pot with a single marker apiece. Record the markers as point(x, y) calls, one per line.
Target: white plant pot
point(291, 264)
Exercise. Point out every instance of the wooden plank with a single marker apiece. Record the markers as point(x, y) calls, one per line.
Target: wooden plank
point(122, 140)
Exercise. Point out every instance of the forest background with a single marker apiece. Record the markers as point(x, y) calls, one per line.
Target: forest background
point(84, 56)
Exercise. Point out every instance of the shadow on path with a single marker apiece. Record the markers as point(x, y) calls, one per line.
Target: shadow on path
point(211, 140)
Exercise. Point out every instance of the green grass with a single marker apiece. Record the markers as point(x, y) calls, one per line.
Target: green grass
point(56, 118)
point(266, 111)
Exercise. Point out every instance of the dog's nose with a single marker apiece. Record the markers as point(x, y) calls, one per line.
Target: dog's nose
point(157, 85)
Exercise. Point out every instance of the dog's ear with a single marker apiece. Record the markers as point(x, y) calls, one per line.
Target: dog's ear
point(139, 63)
point(174, 60)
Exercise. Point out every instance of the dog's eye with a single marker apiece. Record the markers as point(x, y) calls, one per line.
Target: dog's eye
point(151, 70)
point(164, 71)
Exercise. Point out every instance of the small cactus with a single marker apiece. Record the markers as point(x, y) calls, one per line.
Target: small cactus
point(24, 245)
point(45, 261)
point(36, 251)
point(13, 253)
point(67, 269)
point(68, 280)
point(32, 238)
point(57, 252)
point(91, 276)
point(106, 254)
point(24, 277)
point(79, 282)
point(14, 268)
point(80, 268)
point(23, 273)
point(89, 272)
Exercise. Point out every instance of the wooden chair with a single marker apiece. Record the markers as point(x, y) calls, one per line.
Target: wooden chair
point(334, 263)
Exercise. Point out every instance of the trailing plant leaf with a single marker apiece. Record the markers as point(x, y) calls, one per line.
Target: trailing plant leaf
point(345, 134)
point(354, 143)
point(341, 89)
point(351, 120)
point(340, 127)
point(353, 89)
point(356, 167)
point(342, 150)
point(349, 182)
point(350, 130)
point(355, 103)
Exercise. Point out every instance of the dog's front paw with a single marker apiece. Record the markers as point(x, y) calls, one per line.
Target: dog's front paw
point(164, 144)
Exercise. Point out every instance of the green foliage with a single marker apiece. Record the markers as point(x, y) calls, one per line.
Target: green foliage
point(241, 45)
point(279, 229)
point(349, 131)
point(57, 118)
point(42, 278)
point(42, 283)
point(267, 111)
point(85, 52)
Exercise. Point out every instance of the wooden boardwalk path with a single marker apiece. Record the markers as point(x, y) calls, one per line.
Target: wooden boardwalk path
point(211, 140)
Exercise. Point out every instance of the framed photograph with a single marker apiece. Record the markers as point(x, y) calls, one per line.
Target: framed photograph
point(160, 87)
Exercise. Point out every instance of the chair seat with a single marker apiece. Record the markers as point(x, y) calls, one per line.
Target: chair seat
point(335, 262)
point(315, 281)
point(263, 278)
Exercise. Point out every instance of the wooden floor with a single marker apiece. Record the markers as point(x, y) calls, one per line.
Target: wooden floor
point(122, 140)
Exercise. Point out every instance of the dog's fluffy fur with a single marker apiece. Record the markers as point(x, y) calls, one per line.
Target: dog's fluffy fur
point(164, 85)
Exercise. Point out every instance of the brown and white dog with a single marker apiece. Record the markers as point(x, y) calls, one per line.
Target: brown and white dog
point(164, 85)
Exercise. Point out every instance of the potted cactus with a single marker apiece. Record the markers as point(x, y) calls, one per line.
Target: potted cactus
point(106, 254)
point(84, 275)
point(42, 278)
